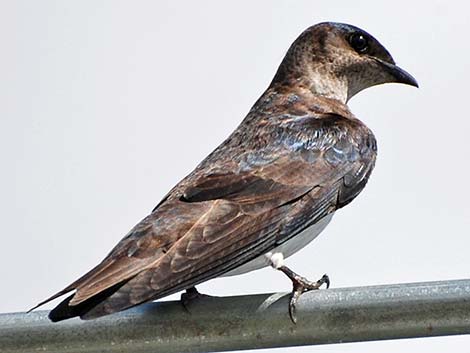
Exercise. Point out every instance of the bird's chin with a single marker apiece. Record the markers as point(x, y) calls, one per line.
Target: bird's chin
point(397, 74)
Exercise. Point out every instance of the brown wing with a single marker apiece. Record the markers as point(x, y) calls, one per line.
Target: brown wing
point(232, 231)
point(180, 225)
point(200, 207)
point(219, 220)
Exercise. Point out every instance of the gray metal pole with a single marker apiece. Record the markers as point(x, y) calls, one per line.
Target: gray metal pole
point(256, 321)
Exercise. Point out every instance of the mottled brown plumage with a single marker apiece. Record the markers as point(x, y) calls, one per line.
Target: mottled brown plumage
point(298, 156)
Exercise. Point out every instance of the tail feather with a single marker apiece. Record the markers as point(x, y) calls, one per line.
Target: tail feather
point(65, 311)
point(57, 295)
point(79, 283)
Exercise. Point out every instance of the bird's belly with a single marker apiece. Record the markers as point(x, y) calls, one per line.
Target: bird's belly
point(287, 249)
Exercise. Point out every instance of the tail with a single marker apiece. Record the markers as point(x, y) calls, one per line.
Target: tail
point(64, 311)
point(57, 295)
point(92, 288)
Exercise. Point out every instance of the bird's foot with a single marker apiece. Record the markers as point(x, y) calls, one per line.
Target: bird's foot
point(190, 296)
point(301, 285)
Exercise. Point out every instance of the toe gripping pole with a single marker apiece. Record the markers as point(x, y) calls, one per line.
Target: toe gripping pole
point(255, 321)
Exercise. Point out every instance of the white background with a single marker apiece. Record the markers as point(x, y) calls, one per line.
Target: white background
point(105, 105)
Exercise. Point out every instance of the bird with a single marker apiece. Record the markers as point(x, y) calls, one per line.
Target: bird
point(264, 193)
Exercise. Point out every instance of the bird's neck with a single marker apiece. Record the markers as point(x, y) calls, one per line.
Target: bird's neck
point(320, 79)
point(280, 99)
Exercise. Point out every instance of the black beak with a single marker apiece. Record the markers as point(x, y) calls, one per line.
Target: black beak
point(400, 75)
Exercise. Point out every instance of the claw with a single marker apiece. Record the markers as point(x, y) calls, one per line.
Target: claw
point(301, 285)
point(326, 280)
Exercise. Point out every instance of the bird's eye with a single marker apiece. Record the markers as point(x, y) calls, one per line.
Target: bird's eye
point(359, 42)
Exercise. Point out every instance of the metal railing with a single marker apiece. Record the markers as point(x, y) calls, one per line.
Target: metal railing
point(257, 321)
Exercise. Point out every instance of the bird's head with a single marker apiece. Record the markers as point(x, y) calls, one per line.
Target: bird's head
point(339, 60)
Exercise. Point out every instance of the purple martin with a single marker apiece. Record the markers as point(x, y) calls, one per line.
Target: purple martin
point(268, 190)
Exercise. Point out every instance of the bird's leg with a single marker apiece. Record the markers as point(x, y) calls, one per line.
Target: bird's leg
point(300, 284)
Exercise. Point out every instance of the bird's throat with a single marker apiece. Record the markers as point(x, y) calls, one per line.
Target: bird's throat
point(327, 86)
